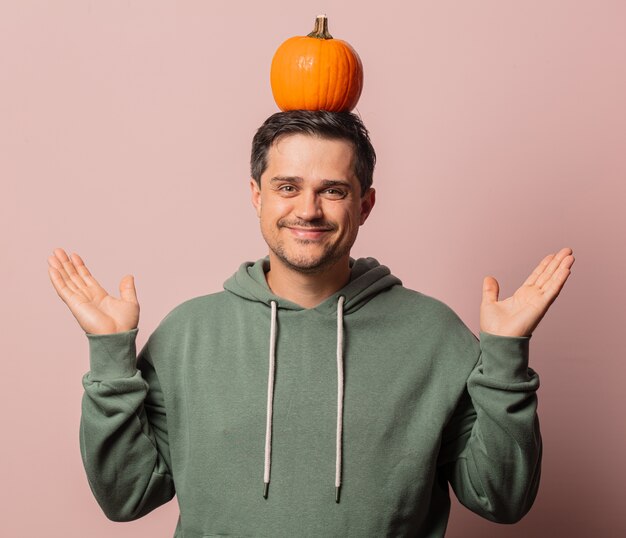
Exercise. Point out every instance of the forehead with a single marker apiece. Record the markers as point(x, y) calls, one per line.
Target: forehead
point(297, 154)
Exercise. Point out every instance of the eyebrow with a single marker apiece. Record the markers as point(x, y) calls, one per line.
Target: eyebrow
point(324, 182)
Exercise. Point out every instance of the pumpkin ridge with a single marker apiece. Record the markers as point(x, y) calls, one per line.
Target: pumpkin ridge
point(286, 77)
point(313, 90)
point(296, 84)
point(340, 73)
point(347, 96)
point(330, 84)
point(356, 79)
point(287, 81)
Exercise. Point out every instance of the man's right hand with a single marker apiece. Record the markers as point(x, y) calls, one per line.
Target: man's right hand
point(96, 311)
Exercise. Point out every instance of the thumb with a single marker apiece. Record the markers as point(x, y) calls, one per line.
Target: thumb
point(491, 289)
point(127, 289)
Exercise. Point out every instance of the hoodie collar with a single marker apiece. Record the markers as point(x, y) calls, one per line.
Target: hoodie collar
point(367, 279)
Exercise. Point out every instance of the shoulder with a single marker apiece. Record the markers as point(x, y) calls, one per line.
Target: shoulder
point(192, 313)
point(191, 308)
point(187, 324)
point(408, 299)
point(431, 315)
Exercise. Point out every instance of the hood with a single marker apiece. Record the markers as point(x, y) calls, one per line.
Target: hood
point(367, 279)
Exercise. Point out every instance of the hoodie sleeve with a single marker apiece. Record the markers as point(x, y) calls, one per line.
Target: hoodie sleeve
point(123, 431)
point(491, 448)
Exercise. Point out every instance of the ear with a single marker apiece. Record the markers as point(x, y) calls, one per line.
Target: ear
point(367, 203)
point(256, 196)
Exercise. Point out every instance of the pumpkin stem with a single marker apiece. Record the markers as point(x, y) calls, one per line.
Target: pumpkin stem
point(321, 28)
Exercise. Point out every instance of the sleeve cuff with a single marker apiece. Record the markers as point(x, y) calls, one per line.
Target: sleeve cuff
point(112, 356)
point(505, 357)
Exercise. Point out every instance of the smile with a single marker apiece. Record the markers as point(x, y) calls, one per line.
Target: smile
point(308, 233)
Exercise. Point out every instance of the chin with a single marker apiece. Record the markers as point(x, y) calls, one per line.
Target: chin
point(307, 264)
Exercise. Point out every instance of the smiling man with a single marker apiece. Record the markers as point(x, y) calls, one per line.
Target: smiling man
point(310, 204)
point(359, 401)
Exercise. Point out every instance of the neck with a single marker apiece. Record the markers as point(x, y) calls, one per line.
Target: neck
point(307, 290)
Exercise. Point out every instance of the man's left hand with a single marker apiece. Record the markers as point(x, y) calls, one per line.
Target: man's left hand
point(520, 314)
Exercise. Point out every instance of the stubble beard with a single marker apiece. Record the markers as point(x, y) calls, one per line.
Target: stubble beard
point(304, 265)
point(307, 266)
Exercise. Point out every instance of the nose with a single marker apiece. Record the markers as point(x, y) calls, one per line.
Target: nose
point(309, 206)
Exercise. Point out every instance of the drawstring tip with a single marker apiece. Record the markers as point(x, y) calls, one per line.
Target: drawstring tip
point(266, 486)
point(337, 494)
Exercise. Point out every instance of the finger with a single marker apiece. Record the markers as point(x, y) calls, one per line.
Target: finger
point(552, 267)
point(538, 270)
point(557, 280)
point(491, 289)
point(70, 268)
point(60, 254)
point(82, 270)
point(60, 285)
point(55, 262)
point(553, 287)
point(127, 289)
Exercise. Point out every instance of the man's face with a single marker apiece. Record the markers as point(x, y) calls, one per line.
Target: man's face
point(310, 204)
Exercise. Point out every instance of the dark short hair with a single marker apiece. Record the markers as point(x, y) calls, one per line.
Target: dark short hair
point(330, 125)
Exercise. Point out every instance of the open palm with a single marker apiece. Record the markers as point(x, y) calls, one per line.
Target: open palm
point(520, 314)
point(96, 311)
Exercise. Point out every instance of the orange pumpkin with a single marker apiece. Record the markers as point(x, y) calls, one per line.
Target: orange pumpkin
point(316, 72)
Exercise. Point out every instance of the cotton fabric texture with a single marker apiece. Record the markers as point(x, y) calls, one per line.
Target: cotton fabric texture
point(426, 404)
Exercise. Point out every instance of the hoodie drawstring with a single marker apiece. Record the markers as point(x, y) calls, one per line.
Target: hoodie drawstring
point(339, 396)
point(270, 399)
point(270, 403)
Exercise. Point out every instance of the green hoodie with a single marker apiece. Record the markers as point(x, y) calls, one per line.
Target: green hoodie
point(379, 387)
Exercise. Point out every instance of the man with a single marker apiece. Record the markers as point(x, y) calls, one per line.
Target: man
point(375, 397)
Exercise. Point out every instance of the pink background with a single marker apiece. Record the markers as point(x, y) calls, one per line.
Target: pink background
point(125, 132)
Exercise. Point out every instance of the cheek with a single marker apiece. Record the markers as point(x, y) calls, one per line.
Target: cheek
point(354, 218)
point(273, 210)
point(348, 223)
point(274, 203)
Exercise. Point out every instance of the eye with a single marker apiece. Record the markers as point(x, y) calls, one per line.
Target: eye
point(285, 187)
point(335, 193)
